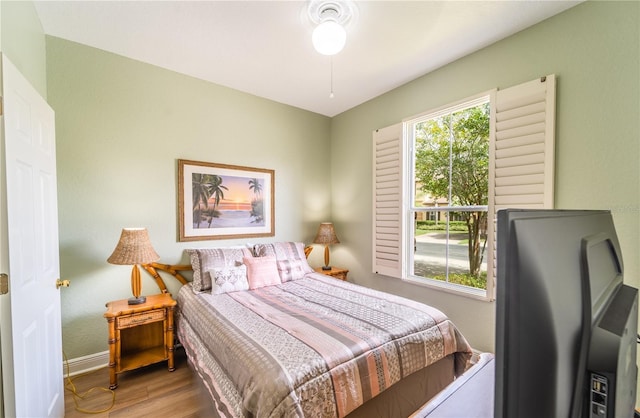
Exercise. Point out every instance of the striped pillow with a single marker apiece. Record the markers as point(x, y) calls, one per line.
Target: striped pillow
point(291, 269)
point(203, 260)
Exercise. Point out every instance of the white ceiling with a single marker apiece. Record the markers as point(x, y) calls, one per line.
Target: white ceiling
point(264, 47)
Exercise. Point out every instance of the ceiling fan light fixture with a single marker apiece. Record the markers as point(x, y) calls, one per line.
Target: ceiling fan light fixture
point(329, 36)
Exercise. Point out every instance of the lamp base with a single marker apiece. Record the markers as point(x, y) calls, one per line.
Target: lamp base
point(137, 301)
point(326, 267)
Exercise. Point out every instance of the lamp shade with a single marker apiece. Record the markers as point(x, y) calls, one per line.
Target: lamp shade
point(326, 234)
point(134, 247)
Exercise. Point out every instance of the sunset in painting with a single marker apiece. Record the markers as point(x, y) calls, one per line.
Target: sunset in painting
point(238, 197)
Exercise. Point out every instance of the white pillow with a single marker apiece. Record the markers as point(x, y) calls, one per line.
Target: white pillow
point(228, 279)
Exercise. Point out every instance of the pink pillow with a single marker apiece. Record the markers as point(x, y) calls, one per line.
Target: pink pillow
point(261, 271)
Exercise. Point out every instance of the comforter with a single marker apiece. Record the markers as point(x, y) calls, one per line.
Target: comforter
point(311, 347)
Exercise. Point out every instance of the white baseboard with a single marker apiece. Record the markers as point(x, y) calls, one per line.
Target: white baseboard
point(86, 364)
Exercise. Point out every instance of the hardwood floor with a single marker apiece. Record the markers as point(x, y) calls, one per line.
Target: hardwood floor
point(151, 391)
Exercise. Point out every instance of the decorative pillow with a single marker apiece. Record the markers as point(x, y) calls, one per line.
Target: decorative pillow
point(292, 252)
point(261, 271)
point(228, 279)
point(205, 259)
point(291, 269)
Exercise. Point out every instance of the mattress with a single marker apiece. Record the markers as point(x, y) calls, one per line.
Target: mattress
point(313, 347)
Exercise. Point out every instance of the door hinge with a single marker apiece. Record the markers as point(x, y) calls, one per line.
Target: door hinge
point(4, 284)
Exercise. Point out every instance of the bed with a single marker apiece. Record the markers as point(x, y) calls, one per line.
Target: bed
point(307, 344)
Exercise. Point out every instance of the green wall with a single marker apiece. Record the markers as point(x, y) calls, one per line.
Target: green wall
point(23, 41)
point(593, 49)
point(121, 126)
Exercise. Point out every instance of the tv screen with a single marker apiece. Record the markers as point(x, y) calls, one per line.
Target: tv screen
point(559, 275)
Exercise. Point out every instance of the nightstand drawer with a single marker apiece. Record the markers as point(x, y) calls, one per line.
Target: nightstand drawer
point(140, 319)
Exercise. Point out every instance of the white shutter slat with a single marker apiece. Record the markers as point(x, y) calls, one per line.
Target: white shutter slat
point(521, 150)
point(384, 264)
point(525, 95)
point(520, 189)
point(387, 190)
point(536, 138)
point(519, 131)
point(386, 230)
point(385, 186)
point(385, 178)
point(386, 240)
point(387, 168)
point(385, 143)
point(387, 158)
point(516, 112)
point(526, 120)
point(387, 251)
point(521, 154)
point(391, 198)
point(519, 170)
point(521, 160)
point(386, 225)
point(387, 155)
point(525, 179)
point(389, 205)
point(387, 201)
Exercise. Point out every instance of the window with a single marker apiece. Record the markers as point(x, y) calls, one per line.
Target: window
point(449, 180)
point(440, 177)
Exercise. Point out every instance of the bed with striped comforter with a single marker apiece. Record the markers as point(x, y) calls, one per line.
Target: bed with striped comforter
point(314, 347)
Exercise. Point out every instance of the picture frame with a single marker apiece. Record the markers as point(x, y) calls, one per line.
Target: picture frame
point(221, 201)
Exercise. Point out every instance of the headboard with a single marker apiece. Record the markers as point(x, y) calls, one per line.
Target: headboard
point(172, 269)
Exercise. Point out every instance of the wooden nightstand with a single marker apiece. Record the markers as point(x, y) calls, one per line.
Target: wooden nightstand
point(337, 272)
point(139, 335)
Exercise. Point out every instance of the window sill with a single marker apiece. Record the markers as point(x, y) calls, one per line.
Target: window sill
point(469, 292)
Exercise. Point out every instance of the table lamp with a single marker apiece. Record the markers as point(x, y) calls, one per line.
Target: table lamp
point(133, 248)
point(326, 235)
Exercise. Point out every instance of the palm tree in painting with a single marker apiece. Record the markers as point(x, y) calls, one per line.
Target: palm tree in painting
point(254, 184)
point(200, 191)
point(257, 207)
point(217, 193)
point(203, 187)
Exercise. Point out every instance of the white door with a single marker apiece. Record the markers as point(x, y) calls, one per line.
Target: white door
point(33, 368)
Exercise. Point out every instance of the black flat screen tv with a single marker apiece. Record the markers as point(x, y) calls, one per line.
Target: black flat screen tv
point(566, 325)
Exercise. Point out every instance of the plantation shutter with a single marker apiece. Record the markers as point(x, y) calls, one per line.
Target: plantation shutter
point(521, 154)
point(387, 201)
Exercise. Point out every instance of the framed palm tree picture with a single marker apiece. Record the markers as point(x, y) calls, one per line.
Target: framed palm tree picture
point(220, 201)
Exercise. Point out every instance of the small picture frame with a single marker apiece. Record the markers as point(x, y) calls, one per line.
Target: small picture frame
point(221, 201)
